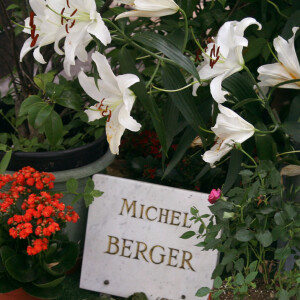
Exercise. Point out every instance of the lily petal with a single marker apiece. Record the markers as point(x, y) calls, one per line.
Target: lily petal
point(105, 71)
point(127, 121)
point(287, 53)
point(114, 132)
point(93, 114)
point(146, 14)
point(100, 31)
point(88, 84)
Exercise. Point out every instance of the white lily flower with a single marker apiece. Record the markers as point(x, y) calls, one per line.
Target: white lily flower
point(115, 100)
point(80, 21)
point(223, 57)
point(43, 25)
point(149, 8)
point(286, 69)
point(230, 128)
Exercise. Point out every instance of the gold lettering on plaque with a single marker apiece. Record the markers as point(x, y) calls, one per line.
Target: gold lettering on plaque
point(161, 215)
point(172, 256)
point(162, 256)
point(115, 243)
point(147, 210)
point(174, 217)
point(187, 260)
point(126, 247)
point(138, 250)
point(128, 208)
point(185, 220)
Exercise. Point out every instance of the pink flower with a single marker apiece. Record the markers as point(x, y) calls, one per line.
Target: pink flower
point(214, 196)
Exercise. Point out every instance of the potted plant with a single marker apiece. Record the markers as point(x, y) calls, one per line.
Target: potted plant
point(199, 70)
point(34, 254)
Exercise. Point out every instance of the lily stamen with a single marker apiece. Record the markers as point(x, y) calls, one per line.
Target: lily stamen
point(31, 22)
point(67, 29)
point(62, 16)
point(34, 40)
point(213, 61)
point(74, 12)
point(32, 33)
point(68, 3)
point(72, 24)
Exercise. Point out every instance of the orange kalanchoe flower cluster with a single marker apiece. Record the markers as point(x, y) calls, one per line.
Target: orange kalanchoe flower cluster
point(41, 212)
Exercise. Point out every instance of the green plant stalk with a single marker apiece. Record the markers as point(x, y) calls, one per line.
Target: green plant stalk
point(266, 103)
point(153, 75)
point(186, 29)
point(8, 121)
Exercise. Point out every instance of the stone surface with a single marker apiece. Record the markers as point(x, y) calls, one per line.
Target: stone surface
point(133, 241)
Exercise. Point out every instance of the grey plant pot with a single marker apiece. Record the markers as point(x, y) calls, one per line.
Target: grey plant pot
point(76, 232)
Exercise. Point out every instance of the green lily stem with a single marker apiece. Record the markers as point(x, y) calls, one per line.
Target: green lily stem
point(266, 103)
point(239, 147)
point(289, 152)
point(153, 75)
point(254, 81)
point(174, 91)
point(186, 29)
point(266, 132)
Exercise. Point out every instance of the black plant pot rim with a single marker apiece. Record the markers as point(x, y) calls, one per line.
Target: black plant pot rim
point(52, 161)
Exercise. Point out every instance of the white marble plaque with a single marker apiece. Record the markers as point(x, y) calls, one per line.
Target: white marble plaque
point(133, 241)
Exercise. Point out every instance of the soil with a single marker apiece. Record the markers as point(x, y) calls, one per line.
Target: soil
point(259, 293)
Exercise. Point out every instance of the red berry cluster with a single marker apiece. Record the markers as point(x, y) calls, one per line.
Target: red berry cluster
point(41, 212)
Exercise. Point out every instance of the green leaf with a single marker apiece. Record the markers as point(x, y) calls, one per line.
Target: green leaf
point(43, 293)
point(66, 259)
point(54, 90)
point(28, 103)
point(138, 296)
point(233, 169)
point(5, 161)
point(188, 235)
point(265, 238)
point(48, 281)
point(7, 284)
point(244, 235)
point(164, 45)
point(229, 257)
point(54, 128)
point(42, 115)
point(255, 48)
point(203, 292)
point(96, 193)
point(70, 99)
point(265, 145)
point(184, 144)
point(280, 218)
point(72, 185)
point(282, 253)
point(128, 66)
point(22, 268)
point(217, 282)
point(239, 279)
point(183, 100)
point(253, 266)
point(6, 252)
point(292, 124)
point(283, 295)
point(239, 264)
point(41, 80)
point(250, 277)
point(89, 186)
point(88, 199)
point(239, 86)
